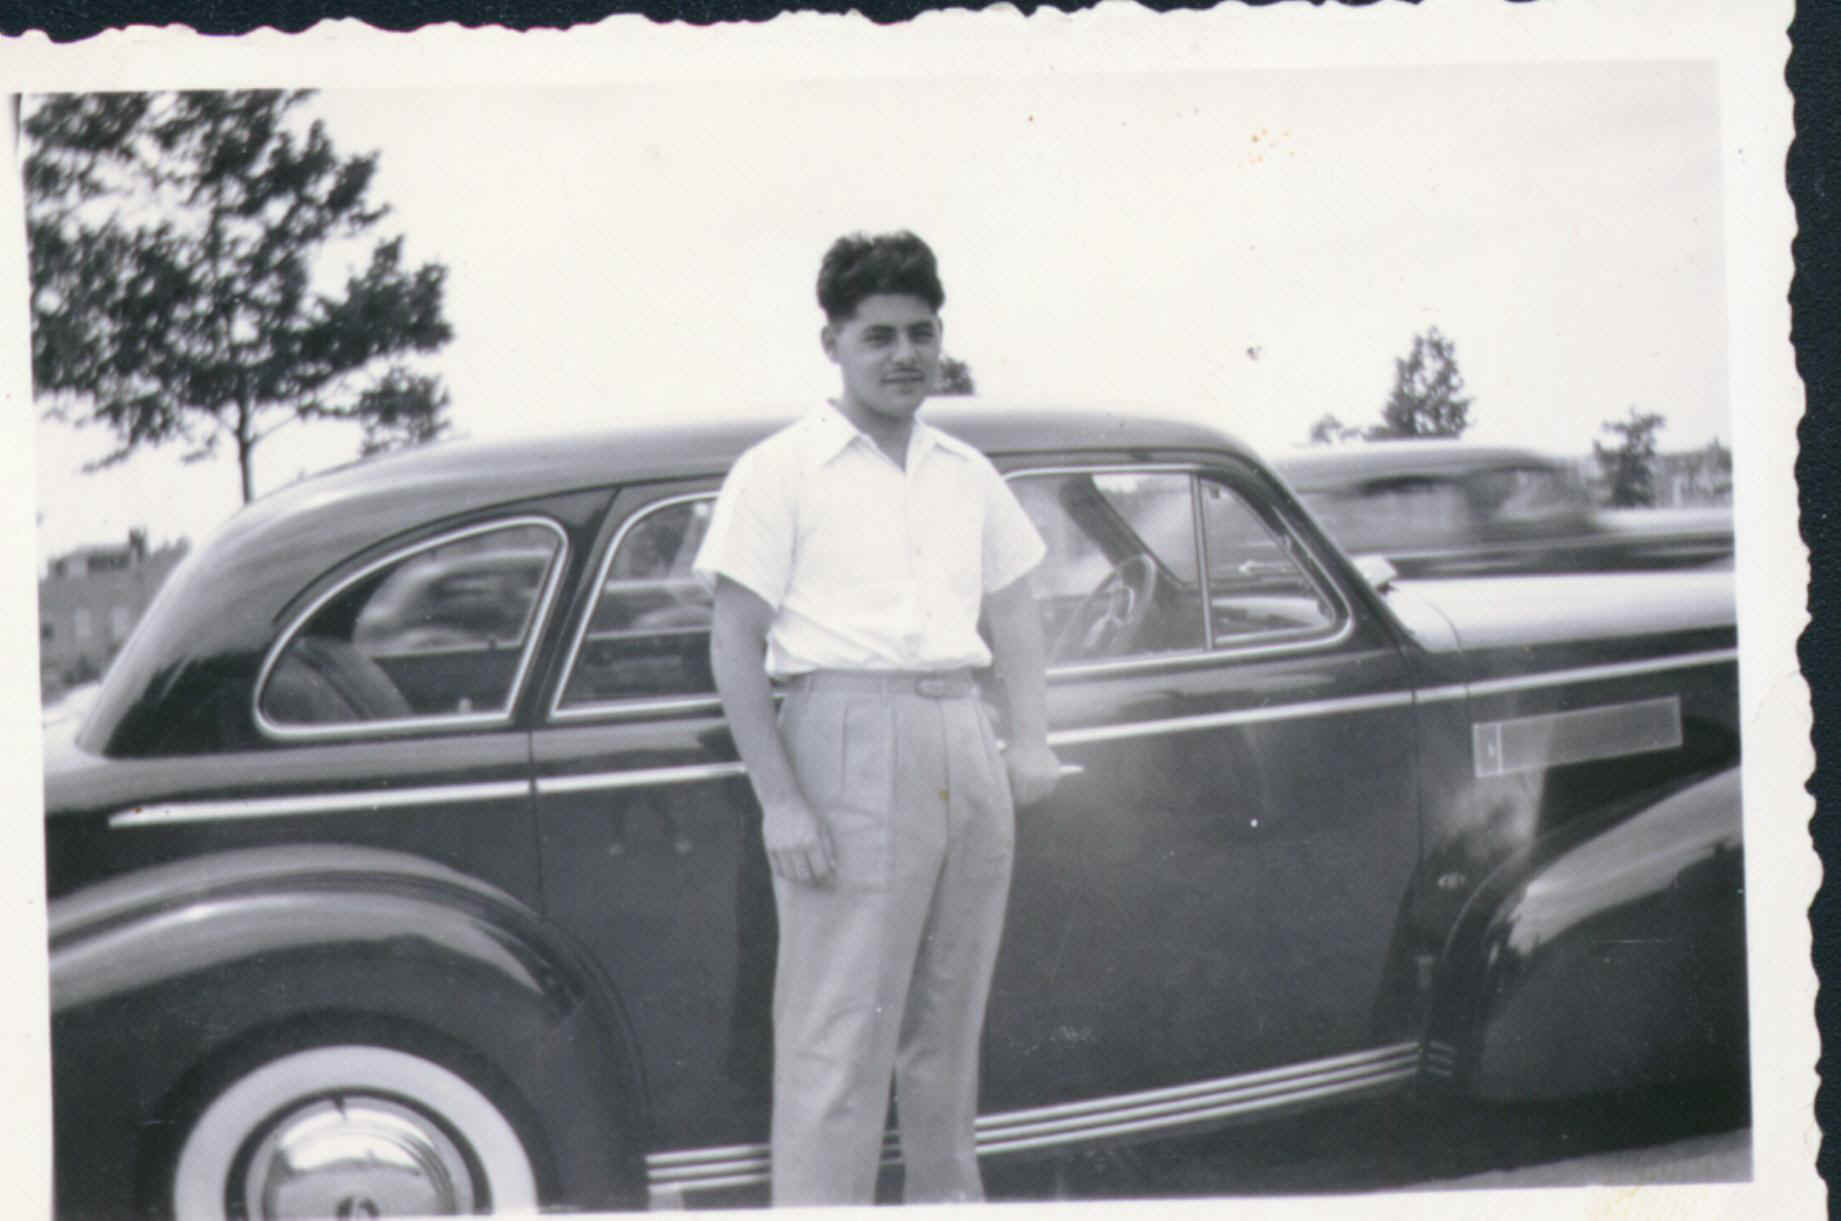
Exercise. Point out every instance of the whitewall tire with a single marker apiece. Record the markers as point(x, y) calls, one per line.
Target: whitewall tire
point(350, 1131)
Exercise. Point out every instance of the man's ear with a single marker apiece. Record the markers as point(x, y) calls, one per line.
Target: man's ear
point(827, 339)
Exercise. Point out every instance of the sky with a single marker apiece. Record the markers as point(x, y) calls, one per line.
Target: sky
point(1253, 248)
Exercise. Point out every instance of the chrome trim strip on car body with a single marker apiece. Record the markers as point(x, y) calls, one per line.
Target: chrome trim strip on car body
point(1604, 731)
point(1439, 1060)
point(1237, 716)
point(550, 786)
point(533, 635)
point(362, 801)
point(673, 1174)
point(1579, 674)
point(366, 800)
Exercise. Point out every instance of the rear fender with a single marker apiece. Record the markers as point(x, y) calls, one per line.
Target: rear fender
point(158, 977)
point(1608, 956)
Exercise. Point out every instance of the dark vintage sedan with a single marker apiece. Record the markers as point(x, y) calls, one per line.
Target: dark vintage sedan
point(1461, 508)
point(403, 863)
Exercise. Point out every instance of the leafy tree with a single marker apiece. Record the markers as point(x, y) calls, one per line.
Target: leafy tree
point(173, 241)
point(955, 377)
point(1329, 429)
point(1629, 467)
point(1710, 471)
point(1428, 398)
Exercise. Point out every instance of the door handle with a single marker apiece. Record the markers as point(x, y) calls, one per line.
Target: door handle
point(1072, 769)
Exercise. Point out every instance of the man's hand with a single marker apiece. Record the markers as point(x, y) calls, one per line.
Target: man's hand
point(1034, 771)
point(798, 843)
point(1016, 647)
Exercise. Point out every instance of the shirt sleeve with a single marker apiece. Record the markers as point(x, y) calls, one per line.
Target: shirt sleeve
point(1012, 544)
point(751, 533)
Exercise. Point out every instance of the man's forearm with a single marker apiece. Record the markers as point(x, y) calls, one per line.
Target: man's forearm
point(736, 657)
point(1020, 656)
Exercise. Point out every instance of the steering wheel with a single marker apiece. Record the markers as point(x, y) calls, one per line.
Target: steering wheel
point(1108, 620)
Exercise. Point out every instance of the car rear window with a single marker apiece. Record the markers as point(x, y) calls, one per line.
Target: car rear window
point(440, 633)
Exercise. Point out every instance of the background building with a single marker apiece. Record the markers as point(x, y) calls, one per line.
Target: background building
point(89, 600)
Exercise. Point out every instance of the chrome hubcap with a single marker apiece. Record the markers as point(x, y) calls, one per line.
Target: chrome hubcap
point(355, 1157)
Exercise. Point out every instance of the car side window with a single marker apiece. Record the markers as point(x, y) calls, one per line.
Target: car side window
point(1120, 577)
point(1404, 513)
point(648, 636)
point(442, 632)
point(1527, 495)
point(1256, 584)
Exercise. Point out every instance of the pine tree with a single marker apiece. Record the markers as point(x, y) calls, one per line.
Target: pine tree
point(1629, 468)
point(1428, 398)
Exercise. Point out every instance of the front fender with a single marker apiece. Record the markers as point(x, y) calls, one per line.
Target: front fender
point(157, 975)
point(1610, 958)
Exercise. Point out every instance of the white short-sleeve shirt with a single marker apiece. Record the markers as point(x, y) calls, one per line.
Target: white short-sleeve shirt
point(867, 565)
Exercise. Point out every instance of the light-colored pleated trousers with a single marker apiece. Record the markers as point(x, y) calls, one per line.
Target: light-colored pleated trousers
point(886, 969)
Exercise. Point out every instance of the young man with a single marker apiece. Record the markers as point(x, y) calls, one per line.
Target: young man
point(852, 553)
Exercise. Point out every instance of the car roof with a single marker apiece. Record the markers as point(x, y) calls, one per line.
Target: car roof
point(431, 481)
point(1342, 465)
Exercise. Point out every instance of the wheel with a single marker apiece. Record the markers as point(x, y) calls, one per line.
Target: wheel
point(350, 1131)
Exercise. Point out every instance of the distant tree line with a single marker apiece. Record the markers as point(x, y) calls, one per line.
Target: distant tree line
point(1428, 399)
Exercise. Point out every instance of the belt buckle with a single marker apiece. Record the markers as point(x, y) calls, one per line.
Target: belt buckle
point(935, 686)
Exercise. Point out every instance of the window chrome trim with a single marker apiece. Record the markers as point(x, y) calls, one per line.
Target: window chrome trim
point(1200, 527)
point(358, 801)
point(1268, 644)
point(539, 622)
point(1191, 658)
point(641, 704)
point(672, 1174)
point(1313, 569)
point(643, 633)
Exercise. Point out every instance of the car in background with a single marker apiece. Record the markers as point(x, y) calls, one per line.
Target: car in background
point(1444, 508)
point(403, 862)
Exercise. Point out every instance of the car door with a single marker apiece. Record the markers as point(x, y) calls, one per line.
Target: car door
point(1210, 893)
point(648, 831)
point(1166, 924)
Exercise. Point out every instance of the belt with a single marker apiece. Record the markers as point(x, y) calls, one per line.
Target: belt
point(934, 684)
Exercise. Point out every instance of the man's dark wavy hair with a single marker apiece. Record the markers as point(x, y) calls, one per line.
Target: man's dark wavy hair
point(859, 266)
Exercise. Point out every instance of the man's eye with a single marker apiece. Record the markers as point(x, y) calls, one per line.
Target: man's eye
point(878, 337)
point(922, 334)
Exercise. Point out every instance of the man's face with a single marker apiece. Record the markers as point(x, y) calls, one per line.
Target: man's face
point(889, 352)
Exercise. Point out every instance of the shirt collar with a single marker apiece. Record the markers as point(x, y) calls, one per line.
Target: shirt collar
point(832, 432)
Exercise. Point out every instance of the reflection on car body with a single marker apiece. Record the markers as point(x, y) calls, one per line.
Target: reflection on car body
point(425, 805)
point(1436, 508)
